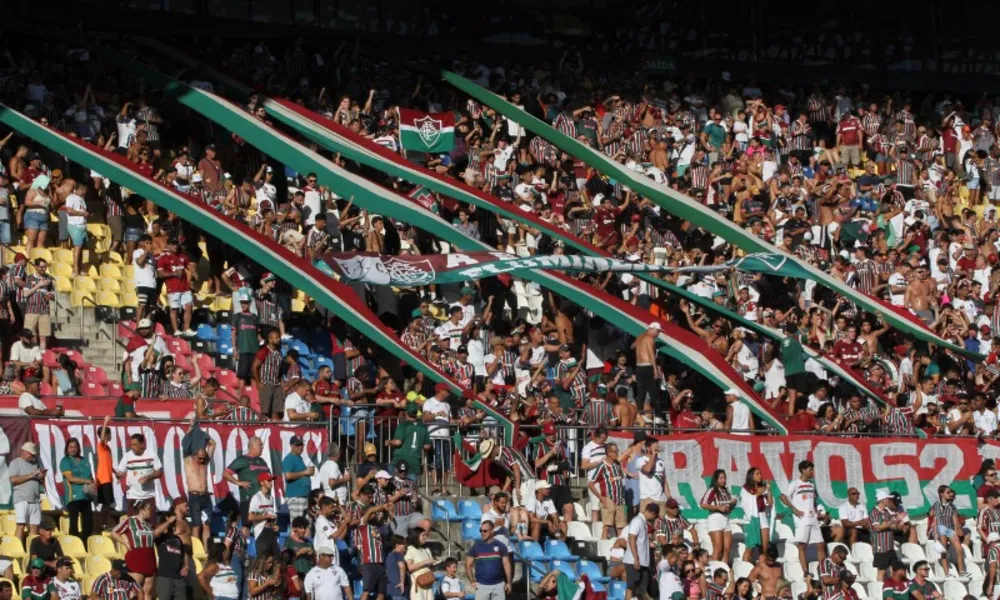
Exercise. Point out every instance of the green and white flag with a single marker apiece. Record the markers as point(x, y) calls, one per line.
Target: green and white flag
point(426, 132)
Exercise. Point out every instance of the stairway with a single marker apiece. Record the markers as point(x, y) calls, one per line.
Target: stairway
point(79, 328)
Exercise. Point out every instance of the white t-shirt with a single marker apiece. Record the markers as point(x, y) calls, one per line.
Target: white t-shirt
point(450, 584)
point(493, 516)
point(651, 487)
point(261, 505)
point(314, 203)
point(20, 354)
point(76, 203)
point(144, 276)
point(26, 400)
point(897, 280)
point(326, 584)
point(324, 536)
point(668, 581)
point(442, 415)
point(594, 453)
point(852, 513)
point(136, 467)
point(985, 420)
point(331, 470)
point(297, 403)
point(637, 527)
point(66, 590)
point(802, 495)
point(540, 508)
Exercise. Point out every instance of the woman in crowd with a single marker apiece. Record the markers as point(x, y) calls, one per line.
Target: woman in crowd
point(755, 499)
point(719, 503)
point(264, 581)
point(137, 535)
point(218, 578)
point(79, 490)
point(419, 564)
point(236, 542)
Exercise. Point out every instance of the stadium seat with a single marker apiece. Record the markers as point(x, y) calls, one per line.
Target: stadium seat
point(861, 552)
point(110, 271)
point(198, 549)
point(564, 567)
point(12, 547)
point(93, 390)
point(49, 359)
point(921, 527)
point(109, 299)
point(99, 545)
point(8, 524)
point(83, 283)
point(61, 270)
point(227, 378)
point(616, 590)
point(325, 361)
point(532, 551)
point(912, 553)
point(98, 565)
point(976, 587)
point(741, 568)
point(444, 510)
point(301, 347)
point(222, 304)
point(115, 258)
point(470, 509)
point(592, 570)
point(37, 253)
point(579, 531)
point(64, 283)
point(177, 346)
point(62, 255)
point(82, 298)
point(954, 589)
point(108, 284)
point(557, 549)
point(115, 389)
point(207, 333)
point(205, 363)
point(470, 530)
point(45, 389)
point(72, 546)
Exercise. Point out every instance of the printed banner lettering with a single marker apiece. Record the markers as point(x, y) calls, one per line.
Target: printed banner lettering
point(14, 431)
point(164, 438)
point(913, 467)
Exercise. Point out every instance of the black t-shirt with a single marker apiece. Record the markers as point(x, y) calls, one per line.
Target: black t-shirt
point(170, 556)
point(367, 467)
point(45, 551)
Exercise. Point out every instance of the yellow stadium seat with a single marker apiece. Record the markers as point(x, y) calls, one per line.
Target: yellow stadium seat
point(84, 284)
point(108, 299)
point(40, 253)
point(16, 567)
point(77, 299)
point(12, 547)
point(62, 255)
point(130, 299)
point(111, 271)
point(60, 270)
point(99, 545)
point(18, 250)
point(97, 565)
point(115, 258)
point(71, 545)
point(8, 523)
point(78, 570)
point(107, 284)
point(89, 271)
point(199, 565)
point(222, 303)
point(46, 503)
point(63, 527)
point(198, 550)
point(298, 305)
point(98, 231)
point(128, 272)
point(64, 283)
point(86, 584)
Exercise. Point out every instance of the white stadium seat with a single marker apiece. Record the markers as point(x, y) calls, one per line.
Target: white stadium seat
point(862, 552)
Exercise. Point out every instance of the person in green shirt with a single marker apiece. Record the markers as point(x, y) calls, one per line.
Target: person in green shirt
point(793, 359)
point(300, 547)
point(713, 136)
point(410, 441)
point(244, 472)
point(125, 407)
point(76, 474)
point(245, 341)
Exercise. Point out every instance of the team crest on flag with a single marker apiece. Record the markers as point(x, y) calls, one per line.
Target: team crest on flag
point(426, 132)
point(429, 129)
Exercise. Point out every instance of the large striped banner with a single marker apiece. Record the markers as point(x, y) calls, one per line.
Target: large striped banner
point(675, 342)
point(913, 467)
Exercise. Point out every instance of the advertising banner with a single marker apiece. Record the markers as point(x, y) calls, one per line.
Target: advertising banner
point(14, 431)
point(913, 467)
point(164, 438)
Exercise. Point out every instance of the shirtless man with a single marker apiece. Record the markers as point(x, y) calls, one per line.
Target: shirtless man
point(645, 366)
point(197, 455)
point(623, 410)
point(920, 295)
point(766, 574)
point(869, 335)
point(715, 338)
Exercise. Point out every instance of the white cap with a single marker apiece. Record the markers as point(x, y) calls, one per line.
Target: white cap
point(144, 323)
point(383, 475)
point(30, 448)
point(732, 392)
point(598, 199)
point(326, 551)
point(882, 494)
point(541, 484)
point(654, 325)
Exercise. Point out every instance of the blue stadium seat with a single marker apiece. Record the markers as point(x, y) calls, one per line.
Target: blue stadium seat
point(324, 361)
point(225, 346)
point(225, 331)
point(593, 571)
point(598, 587)
point(564, 567)
point(444, 510)
point(616, 590)
point(470, 530)
point(558, 550)
point(301, 348)
point(207, 332)
point(537, 572)
point(532, 551)
point(470, 509)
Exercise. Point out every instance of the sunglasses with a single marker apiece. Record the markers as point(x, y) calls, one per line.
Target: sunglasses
point(485, 530)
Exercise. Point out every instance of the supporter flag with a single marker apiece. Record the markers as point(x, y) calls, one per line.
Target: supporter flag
point(426, 132)
point(424, 196)
point(570, 589)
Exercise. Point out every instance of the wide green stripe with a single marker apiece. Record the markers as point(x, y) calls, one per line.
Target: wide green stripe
point(685, 207)
point(383, 201)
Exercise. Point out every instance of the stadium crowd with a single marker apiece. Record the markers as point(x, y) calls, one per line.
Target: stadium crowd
point(891, 194)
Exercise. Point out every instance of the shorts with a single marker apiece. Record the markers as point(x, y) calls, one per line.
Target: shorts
point(850, 155)
point(808, 533)
point(972, 184)
point(63, 225)
point(945, 531)
point(115, 224)
point(78, 234)
point(884, 559)
point(40, 324)
point(374, 579)
point(141, 561)
point(593, 502)
point(613, 516)
point(147, 296)
point(5, 233)
point(441, 459)
point(106, 495)
point(36, 220)
point(637, 580)
point(797, 381)
point(718, 522)
point(272, 399)
point(132, 234)
point(178, 300)
point(406, 522)
point(244, 366)
point(27, 513)
point(200, 508)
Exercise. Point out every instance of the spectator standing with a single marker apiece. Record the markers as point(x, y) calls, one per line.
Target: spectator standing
point(437, 416)
point(419, 564)
point(115, 584)
point(330, 525)
point(144, 276)
point(758, 510)
point(263, 516)
point(105, 476)
point(591, 456)
point(801, 498)
point(26, 478)
point(332, 480)
point(609, 487)
point(327, 581)
point(244, 473)
point(197, 449)
point(266, 372)
point(300, 546)
point(395, 569)
point(236, 542)
point(25, 354)
point(636, 559)
point(407, 500)
point(948, 529)
point(410, 441)
point(39, 291)
point(140, 467)
point(76, 222)
point(719, 502)
point(298, 478)
point(653, 486)
point(488, 567)
point(137, 535)
point(79, 489)
point(176, 270)
point(245, 342)
point(172, 558)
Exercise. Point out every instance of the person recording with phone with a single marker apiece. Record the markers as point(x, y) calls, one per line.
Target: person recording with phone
point(26, 477)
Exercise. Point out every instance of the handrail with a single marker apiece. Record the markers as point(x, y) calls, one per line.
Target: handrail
point(531, 566)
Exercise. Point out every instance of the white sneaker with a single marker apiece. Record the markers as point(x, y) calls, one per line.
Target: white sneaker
point(287, 336)
point(190, 333)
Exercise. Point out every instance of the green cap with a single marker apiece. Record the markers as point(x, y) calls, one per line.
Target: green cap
point(133, 387)
point(416, 313)
point(758, 387)
point(412, 409)
point(932, 369)
point(37, 563)
point(468, 290)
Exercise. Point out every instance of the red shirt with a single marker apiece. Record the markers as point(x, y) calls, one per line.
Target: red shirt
point(683, 419)
point(850, 132)
point(604, 220)
point(802, 421)
point(849, 352)
point(175, 264)
point(327, 389)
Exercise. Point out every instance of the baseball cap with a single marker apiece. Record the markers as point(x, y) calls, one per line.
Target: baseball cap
point(542, 485)
point(144, 324)
point(116, 565)
point(326, 551)
point(402, 467)
point(654, 325)
point(412, 409)
point(732, 392)
point(47, 523)
point(370, 449)
point(37, 563)
point(882, 494)
point(671, 503)
point(64, 562)
point(442, 387)
point(265, 477)
point(267, 276)
point(297, 440)
point(383, 475)
point(30, 448)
